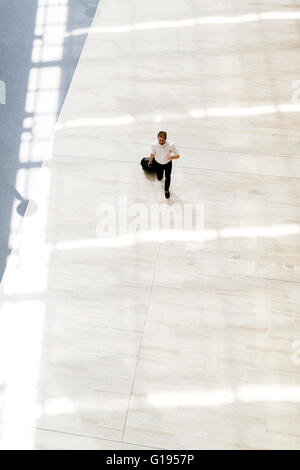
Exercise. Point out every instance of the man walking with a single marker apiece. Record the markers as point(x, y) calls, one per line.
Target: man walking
point(161, 158)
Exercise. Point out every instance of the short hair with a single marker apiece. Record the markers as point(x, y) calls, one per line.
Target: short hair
point(162, 134)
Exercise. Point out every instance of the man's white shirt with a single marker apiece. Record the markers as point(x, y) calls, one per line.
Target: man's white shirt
point(162, 152)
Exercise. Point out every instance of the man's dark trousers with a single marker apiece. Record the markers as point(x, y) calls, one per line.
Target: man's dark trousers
point(160, 169)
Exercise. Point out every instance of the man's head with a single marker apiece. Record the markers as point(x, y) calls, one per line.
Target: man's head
point(162, 137)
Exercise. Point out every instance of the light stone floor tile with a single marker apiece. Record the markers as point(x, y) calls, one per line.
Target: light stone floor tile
point(46, 440)
point(122, 342)
point(41, 439)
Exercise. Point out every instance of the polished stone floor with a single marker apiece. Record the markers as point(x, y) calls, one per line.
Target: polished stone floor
point(151, 338)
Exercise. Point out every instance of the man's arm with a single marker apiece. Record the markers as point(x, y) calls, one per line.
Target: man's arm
point(175, 151)
point(151, 158)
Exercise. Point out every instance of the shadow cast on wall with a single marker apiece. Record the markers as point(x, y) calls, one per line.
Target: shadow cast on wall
point(18, 36)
